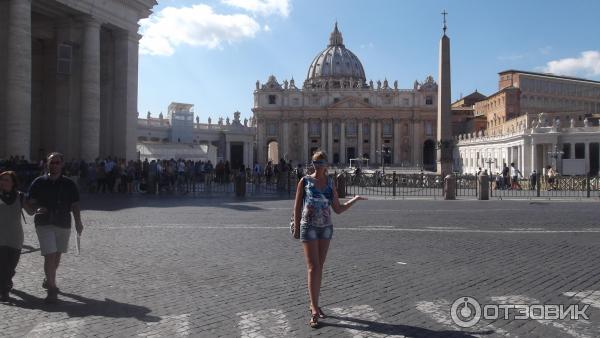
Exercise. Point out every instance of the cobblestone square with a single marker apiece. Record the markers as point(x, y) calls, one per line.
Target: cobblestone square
point(208, 267)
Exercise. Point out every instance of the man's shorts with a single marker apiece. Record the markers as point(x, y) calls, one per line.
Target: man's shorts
point(311, 233)
point(53, 239)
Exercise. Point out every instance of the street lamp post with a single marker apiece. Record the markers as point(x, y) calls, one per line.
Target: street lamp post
point(489, 162)
point(384, 151)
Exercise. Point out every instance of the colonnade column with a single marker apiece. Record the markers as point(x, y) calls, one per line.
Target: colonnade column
point(359, 140)
point(323, 135)
point(305, 147)
point(285, 141)
point(342, 143)
point(18, 79)
point(90, 91)
point(534, 165)
point(396, 158)
point(372, 145)
point(330, 139)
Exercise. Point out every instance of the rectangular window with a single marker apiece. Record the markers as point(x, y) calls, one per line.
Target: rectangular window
point(64, 58)
point(429, 100)
point(366, 100)
point(579, 150)
point(405, 102)
point(272, 99)
point(566, 150)
point(336, 99)
point(387, 129)
point(272, 129)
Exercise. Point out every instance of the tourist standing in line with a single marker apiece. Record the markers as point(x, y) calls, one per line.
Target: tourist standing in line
point(315, 197)
point(54, 197)
point(11, 230)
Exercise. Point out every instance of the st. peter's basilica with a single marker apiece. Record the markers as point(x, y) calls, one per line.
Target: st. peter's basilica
point(339, 111)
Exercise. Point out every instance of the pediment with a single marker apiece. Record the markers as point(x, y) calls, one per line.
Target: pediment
point(350, 102)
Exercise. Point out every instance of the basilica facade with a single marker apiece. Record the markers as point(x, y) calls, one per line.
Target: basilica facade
point(339, 111)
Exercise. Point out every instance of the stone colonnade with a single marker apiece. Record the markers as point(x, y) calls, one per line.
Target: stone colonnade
point(74, 112)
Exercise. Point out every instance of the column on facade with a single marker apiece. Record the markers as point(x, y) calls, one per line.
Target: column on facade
point(372, 145)
point(125, 94)
point(18, 80)
point(245, 151)
point(90, 90)
point(260, 143)
point(323, 134)
point(330, 139)
point(227, 153)
point(305, 146)
point(587, 157)
point(522, 159)
point(285, 141)
point(342, 142)
point(534, 164)
point(397, 138)
point(379, 141)
point(359, 139)
point(415, 148)
point(572, 152)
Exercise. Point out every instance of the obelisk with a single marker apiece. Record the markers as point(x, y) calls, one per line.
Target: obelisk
point(445, 143)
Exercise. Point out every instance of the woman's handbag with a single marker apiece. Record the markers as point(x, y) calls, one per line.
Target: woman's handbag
point(296, 234)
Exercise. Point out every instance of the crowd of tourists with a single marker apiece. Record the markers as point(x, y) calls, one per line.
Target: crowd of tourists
point(116, 175)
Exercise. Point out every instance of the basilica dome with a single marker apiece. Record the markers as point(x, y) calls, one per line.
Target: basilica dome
point(336, 65)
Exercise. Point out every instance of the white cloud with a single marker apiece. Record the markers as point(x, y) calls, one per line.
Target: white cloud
point(198, 25)
point(587, 64)
point(262, 7)
point(266, 28)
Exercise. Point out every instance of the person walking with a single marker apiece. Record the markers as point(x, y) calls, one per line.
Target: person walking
point(315, 197)
point(54, 197)
point(515, 173)
point(11, 230)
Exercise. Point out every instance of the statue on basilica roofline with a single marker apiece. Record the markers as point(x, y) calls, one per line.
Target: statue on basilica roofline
point(245, 122)
point(572, 122)
point(148, 115)
point(257, 85)
point(160, 116)
point(197, 119)
point(586, 122)
point(227, 121)
point(220, 123)
point(285, 84)
point(378, 84)
point(371, 84)
point(385, 84)
point(557, 123)
point(292, 84)
point(209, 121)
point(396, 84)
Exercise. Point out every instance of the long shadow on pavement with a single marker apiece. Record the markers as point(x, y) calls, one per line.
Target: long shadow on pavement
point(398, 329)
point(114, 202)
point(83, 307)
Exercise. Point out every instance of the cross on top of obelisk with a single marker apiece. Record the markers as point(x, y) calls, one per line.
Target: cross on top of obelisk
point(444, 13)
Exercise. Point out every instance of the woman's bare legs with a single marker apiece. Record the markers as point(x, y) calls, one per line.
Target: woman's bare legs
point(315, 253)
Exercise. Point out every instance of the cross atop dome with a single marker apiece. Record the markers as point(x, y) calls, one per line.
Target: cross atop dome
point(335, 39)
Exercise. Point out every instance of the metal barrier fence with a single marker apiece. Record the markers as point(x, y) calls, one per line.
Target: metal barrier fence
point(544, 187)
point(391, 185)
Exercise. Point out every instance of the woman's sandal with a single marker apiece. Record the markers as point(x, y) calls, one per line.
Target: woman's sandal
point(314, 320)
point(321, 314)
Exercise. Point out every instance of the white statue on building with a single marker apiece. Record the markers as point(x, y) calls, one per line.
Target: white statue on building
point(572, 122)
point(227, 121)
point(586, 122)
point(209, 121)
point(245, 122)
point(257, 85)
point(220, 123)
point(396, 84)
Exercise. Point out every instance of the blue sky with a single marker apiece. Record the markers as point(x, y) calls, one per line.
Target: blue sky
point(211, 52)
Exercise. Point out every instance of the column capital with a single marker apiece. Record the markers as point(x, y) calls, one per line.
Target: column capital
point(89, 22)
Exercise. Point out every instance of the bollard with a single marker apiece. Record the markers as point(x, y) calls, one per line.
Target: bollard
point(450, 187)
point(483, 186)
point(340, 185)
point(240, 186)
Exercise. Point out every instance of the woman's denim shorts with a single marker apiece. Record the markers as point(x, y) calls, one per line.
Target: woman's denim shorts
point(311, 233)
